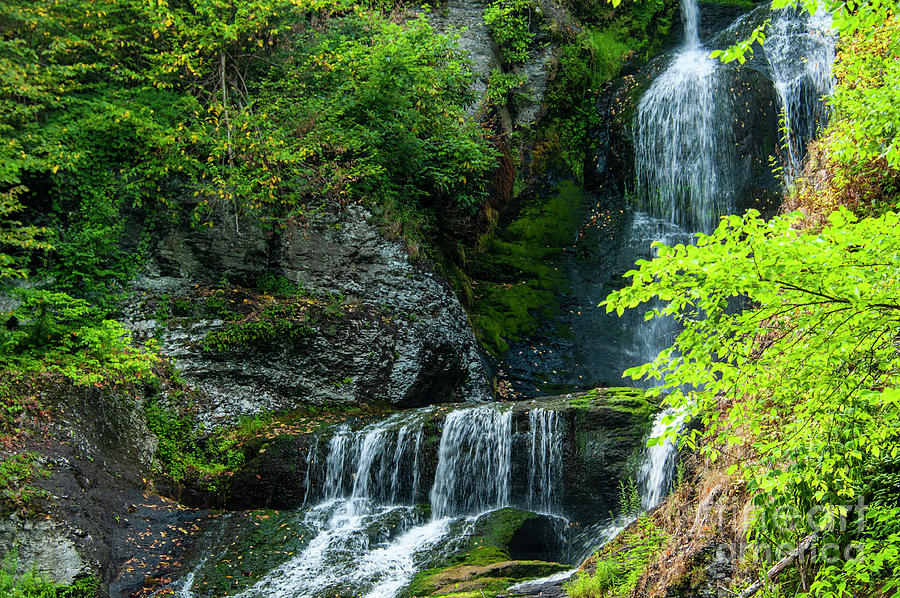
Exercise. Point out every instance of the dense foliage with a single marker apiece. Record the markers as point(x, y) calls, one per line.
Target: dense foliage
point(116, 115)
point(512, 24)
point(239, 105)
point(867, 123)
point(815, 350)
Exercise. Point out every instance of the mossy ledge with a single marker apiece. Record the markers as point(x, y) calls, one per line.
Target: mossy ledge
point(486, 563)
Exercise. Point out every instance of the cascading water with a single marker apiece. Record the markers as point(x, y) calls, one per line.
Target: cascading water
point(655, 475)
point(800, 51)
point(380, 463)
point(684, 146)
point(654, 479)
point(546, 460)
point(474, 462)
point(684, 163)
point(368, 536)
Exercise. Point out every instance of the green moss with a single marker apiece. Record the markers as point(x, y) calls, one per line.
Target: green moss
point(250, 547)
point(471, 568)
point(607, 37)
point(622, 399)
point(498, 528)
point(459, 580)
point(586, 400)
point(515, 284)
point(742, 3)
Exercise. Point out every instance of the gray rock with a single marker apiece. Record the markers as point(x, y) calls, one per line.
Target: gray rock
point(406, 341)
point(44, 545)
point(466, 17)
point(102, 421)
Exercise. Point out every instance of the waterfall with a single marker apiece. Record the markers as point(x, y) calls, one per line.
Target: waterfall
point(684, 139)
point(546, 464)
point(474, 462)
point(800, 51)
point(368, 551)
point(312, 460)
point(655, 475)
point(690, 18)
point(687, 179)
point(335, 462)
point(380, 462)
point(368, 537)
point(366, 534)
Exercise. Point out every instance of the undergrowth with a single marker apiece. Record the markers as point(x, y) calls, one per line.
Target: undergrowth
point(18, 493)
point(618, 566)
point(31, 584)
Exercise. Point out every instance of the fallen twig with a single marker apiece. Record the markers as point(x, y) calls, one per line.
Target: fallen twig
point(781, 565)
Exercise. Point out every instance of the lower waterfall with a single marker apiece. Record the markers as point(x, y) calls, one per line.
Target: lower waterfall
point(370, 530)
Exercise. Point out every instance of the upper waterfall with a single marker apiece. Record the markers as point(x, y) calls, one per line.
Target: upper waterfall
point(684, 142)
point(690, 17)
point(800, 50)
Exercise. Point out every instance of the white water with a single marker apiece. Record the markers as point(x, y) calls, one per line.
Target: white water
point(684, 140)
point(655, 475)
point(474, 462)
point(380, 462)
point(545, 471)
point(342, 556)
point(800, 50)
point(367, 537)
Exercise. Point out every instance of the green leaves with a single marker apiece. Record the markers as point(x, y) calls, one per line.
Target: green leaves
point(743, 48)
point(65, 335)
point(510, 22)
point(16, 236)
point(867, 112)
point(798, 329)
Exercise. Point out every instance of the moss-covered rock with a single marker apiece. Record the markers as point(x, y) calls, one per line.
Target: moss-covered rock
point(461, 579)
point(489, 560)
point(515, 281)
point(246, 547)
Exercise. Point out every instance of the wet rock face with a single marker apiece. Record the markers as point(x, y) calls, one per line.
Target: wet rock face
point(97, 523)
point(100, 422)
point(398, 335)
